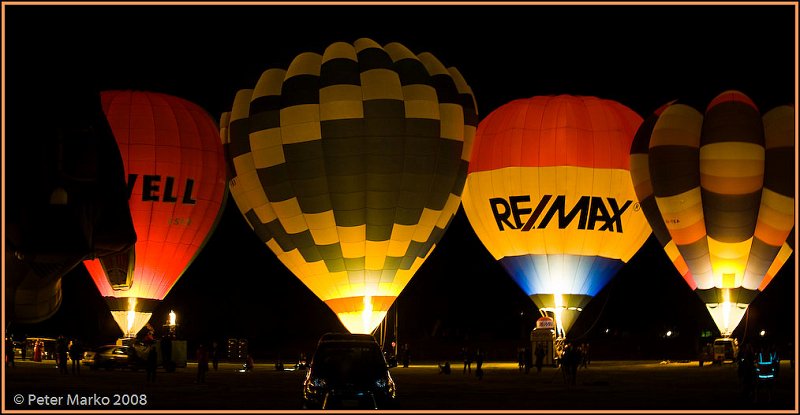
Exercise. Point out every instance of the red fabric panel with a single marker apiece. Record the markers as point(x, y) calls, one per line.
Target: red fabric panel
point(559, 130)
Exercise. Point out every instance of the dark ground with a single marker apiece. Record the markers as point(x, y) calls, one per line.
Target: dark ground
point(605, 385)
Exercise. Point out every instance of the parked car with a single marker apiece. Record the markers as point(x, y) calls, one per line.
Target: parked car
point(348, 371)
point(113, 357)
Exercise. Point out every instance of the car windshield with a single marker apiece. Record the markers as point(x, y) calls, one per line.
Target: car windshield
point(349, 361)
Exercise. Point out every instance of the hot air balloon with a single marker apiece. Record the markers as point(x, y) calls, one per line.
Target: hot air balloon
point(176, 178)
point(718, 190)
point(350, 165)
point(67, 191)
point(549, 195)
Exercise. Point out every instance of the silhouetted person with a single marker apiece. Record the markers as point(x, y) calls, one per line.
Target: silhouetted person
point(61, 354)
point(521, 358)
point(467, 360)
point(539, 358)
point(10, 352)
point(248, 363)
point(152, 363)
point(76, 354)
point(406, 355)
point(746, 370)
point(528, 360)
point(202, 363)
point(215, 352)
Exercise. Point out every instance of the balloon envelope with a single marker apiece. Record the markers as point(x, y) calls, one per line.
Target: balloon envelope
point(718, 190)
point(549, 194)
point(176, 179)
point(350, 165)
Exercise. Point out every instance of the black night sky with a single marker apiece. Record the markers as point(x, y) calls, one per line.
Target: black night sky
point(641, 56)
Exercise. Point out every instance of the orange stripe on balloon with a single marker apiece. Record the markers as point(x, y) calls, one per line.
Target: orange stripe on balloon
point(731, 96)
point(356, 304)
point(689, 234)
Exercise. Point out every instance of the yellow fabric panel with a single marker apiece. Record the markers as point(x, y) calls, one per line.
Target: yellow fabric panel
point(429, 217)
point(365, 43)
point(573, 183)
point(433, 65)
point(352, 233)
point(452, 121)
point(729, 259)
point(264, 211)
point(678, 125)
point(249, 180)
point(273, 246)
point(300, 133)
point(317, 268)
point(425, 226)
point(398, 248)
point(290, 216)
point(269, 84)
point(450, 208)
point(323, 220)
point(402, 232)
point(779, 126)
point(241, 105)
point(287, 208)
point(224, 123)
point(376, 254)
point(268, 150)
point(398, 52)
point(381, 84)
point(775, 217)
point(469, 140)
point(299, 114)
point(306, 63)
point(672, 251)
point(293, 224)
point(421, 101)
point(681, 210)
point(640, 175)
point(294, 261)
point(731, 151)
point(422, 109)
point(777, 264)
point(340, 102)
point(325, 236)
point(353, 249)
point(339, 50)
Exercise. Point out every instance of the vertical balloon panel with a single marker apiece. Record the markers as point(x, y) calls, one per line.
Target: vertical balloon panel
point(349, 166)
point(549, 194)
point(176, 179)
point(724, 189)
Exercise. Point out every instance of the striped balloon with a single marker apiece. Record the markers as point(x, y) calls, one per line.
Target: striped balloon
point(550, 196)
point(718, 190)
point(350, 165)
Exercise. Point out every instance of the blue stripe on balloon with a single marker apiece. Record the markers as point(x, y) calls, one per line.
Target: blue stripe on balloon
point(584, 274)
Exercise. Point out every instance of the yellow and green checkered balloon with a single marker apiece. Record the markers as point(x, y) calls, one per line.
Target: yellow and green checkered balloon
point(350, 166)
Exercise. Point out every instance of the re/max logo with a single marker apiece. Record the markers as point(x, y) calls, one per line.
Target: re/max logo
point(591, 212)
